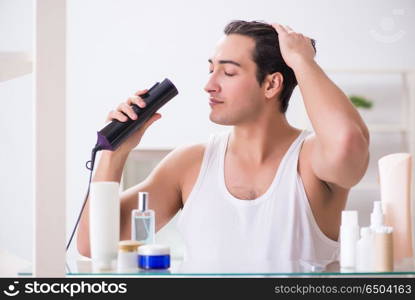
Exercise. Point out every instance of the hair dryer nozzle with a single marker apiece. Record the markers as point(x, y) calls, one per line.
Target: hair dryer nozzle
point(113, 134)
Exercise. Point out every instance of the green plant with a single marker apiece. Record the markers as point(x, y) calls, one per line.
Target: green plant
point(361, 102)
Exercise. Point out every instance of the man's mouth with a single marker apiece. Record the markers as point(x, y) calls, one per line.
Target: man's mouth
point(214, 101)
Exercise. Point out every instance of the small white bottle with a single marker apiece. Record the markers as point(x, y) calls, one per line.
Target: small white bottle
point(382, 240)
point(365, 250)
point(143, 221)
point(349, 234)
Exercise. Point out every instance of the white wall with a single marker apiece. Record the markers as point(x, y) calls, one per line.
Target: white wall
point(16, 127)
point(117, 47)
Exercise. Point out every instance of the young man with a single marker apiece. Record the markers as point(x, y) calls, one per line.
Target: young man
point(265, 190)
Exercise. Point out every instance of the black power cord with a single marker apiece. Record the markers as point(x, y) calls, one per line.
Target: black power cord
point(90, 166)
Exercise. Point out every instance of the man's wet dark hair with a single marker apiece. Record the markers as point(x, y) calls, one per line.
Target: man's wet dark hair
point(266, 55)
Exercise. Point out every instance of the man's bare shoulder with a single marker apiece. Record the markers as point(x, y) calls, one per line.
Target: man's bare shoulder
point(182, 165)
point(189, 154)
point(188, 160)
point(177, 166)
point(184, 157)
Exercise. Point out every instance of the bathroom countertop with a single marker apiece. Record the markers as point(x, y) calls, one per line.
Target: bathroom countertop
point(180, 268)
point(83, 268)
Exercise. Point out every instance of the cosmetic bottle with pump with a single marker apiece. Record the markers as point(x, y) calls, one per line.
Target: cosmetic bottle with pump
point(349, 234)
point(395, 174)
point(382, 240)
point(143, 221)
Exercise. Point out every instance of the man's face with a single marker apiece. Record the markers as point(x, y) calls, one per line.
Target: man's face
point(235, 95)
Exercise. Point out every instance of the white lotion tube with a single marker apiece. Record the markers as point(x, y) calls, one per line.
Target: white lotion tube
point(395, 191)
point(349, 235)
point(104, 224)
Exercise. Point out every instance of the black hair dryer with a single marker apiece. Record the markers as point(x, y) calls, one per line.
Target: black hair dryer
point(113, 134)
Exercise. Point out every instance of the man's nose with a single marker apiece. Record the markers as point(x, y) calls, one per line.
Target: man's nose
point(212, 86)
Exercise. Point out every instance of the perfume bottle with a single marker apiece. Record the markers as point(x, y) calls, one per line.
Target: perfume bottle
point(143, 221)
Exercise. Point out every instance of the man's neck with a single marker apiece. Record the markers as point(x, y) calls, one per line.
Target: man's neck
point(261, 140)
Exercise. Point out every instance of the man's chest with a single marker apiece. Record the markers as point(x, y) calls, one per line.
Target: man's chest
point(247, 182)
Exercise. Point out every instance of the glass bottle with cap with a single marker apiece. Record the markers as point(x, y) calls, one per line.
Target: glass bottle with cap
point(143, 221)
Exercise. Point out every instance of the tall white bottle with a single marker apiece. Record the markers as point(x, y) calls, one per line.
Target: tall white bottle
point(104, 224)
point(395, 173)
point(349, 235)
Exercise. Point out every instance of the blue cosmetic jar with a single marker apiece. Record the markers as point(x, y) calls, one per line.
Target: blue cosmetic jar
point(153, 256)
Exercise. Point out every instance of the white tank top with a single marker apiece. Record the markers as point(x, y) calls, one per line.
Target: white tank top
point(277, 226)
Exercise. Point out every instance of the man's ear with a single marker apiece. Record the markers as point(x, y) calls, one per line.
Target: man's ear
point(273, 84)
